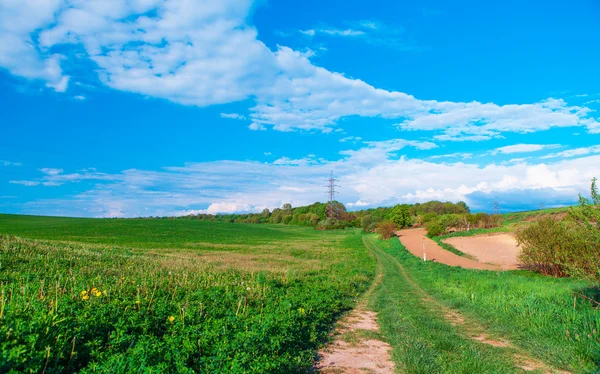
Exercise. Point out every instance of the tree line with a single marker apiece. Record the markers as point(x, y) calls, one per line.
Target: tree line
point(315, 215)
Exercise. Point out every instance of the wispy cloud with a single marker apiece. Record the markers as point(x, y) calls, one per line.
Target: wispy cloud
point(10, 163)
point(51, 171)
point(233, 116)
point(26, 183)
point(369, 31)
point(582, 151)
point(333, 32)
point(461, 155)
point(523, 148)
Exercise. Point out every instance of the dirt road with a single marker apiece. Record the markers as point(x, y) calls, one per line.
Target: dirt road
point(416, 242)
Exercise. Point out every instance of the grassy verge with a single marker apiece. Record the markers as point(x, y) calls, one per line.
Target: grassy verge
point(422, 340)
point(541, 315)
point(451, 248)
point(212, 301)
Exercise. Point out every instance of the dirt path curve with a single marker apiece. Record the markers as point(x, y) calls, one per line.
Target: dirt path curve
point(415, 241)
point(358, 347)
point(466, 326)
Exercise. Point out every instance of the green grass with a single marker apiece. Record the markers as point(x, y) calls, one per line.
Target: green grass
point(262, 298)
point(422, 340)
point(539, 315)
point(217, 298)
point(145, 233)
point(450, 247)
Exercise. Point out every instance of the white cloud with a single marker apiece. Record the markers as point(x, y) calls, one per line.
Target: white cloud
point(206, 53)
point(461, 155)
point(51, 171)
point(256, 127)
point(335, 32)
point(367, 178)
point(10, 163)
point(26, 183)
point(523, 148)
point(18, 50)
point(232, 116)
point(575, 152)
point(79, 97)
point(353, 139)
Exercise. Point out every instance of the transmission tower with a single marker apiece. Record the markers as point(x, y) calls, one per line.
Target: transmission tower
point(496, 206)
point(331, 213)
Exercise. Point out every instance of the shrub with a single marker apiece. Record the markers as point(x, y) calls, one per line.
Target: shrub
point(567, 247)
point(387, 229)
point(435, 228)
point(447, 223)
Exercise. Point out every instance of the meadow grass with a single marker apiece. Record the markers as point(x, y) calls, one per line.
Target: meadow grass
point(541, 315)
point(147, 233)
point(124, 304)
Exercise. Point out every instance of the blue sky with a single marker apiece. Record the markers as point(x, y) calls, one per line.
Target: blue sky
point(151, 107)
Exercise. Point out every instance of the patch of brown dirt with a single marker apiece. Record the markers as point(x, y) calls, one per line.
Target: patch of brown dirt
point(417, 243)
point(454, 318)
point(500, 249)
point(486, 340)
point(360, 320)
point(366, 356)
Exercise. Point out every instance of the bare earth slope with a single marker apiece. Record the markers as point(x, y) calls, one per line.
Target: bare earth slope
point(500, 249)
point(416, 243)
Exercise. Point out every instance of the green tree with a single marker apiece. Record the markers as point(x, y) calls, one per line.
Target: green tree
point(400, 215)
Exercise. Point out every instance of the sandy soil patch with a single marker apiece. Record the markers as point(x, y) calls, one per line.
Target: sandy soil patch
point(500, 249)
point(365, 356)
point(417, 243)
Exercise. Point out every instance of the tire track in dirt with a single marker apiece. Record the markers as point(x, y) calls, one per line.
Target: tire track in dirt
point(467, 326)
point(358, 347)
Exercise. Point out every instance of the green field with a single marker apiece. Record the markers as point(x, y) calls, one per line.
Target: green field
point(113, 295)
point(158, 296)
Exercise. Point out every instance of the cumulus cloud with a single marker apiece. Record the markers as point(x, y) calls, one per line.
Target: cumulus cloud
point(374, 175)
point(19, 52)
point(206, 53)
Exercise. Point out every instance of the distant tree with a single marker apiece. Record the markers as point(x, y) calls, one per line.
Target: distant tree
point(400, 215)
point(265, 213)
point(287, 207)
point(463, 207)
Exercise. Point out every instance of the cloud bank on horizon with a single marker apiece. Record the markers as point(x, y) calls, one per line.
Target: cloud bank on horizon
point(208, 53)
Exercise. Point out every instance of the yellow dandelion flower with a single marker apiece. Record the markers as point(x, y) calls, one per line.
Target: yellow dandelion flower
point(83, 293)
point(97, 293)
point(171, 319)
point(104, 293)
point(85, 297)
